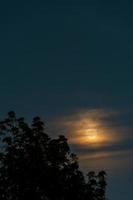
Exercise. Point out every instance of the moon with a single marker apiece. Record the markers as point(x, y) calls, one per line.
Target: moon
point(91, 135)
point(89, 129)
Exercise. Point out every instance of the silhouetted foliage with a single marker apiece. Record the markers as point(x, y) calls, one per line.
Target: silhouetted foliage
point(34, 166)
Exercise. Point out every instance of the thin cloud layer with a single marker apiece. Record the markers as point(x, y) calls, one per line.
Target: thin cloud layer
point(95, 132)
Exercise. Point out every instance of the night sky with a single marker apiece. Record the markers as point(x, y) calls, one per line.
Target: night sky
point(71, 62)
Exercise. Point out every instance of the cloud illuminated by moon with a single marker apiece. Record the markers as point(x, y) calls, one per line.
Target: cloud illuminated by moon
point(97, 136)
point(88, 128)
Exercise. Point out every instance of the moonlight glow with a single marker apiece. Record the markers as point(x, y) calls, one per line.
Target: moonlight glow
point(88, 133)
point(89, 128)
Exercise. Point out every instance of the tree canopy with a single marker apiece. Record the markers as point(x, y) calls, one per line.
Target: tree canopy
point(35, 166)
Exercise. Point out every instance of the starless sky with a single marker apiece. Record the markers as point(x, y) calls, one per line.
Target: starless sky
point(68, 59)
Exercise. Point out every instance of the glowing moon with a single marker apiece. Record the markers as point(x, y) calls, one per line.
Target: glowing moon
point(89, 129)
point(86, 136)
point(91, 135)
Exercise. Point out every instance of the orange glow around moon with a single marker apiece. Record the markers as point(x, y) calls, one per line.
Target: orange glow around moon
point(88, 135)
point(89, 129)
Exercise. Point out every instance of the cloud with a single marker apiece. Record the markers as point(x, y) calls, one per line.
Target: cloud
point(95, 131)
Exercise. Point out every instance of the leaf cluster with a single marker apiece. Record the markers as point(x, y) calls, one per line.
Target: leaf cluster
point(35, 166)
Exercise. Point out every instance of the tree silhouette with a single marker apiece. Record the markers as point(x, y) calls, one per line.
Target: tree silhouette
point(34, 166)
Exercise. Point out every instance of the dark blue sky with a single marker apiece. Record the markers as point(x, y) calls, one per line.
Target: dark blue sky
point(60, 56)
